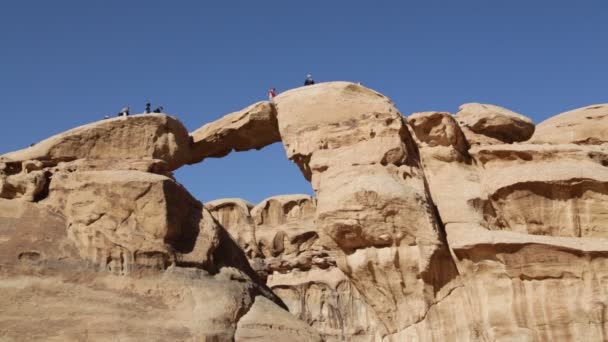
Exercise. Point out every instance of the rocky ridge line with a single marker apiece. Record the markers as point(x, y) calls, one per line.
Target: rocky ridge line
point(475, 226)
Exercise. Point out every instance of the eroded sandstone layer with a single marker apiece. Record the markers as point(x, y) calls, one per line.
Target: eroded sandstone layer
point(286, 249)
point(100, 243)
point(478, 226)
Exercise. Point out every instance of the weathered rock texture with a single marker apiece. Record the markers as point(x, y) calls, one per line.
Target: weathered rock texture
point(151, 136)
point(435, 227)
point(120, 218)
point(518, 220)
point(495, 122)
point(296, 265)
point(448, 242)
point(585, 125)
point(98, 242)
point(372, 199)
point(251, 128)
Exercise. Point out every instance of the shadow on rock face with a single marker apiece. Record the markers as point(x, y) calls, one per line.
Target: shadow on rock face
point(229, 254)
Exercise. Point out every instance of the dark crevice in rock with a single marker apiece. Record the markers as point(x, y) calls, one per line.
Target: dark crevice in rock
point(428, 310)
point(10, 167)
point(44, 193)
point(413, 153)
point(501, 211)
point(303, 162)
point(442, 268)
point(229, 254)
point(492, 251)
point(599, 157)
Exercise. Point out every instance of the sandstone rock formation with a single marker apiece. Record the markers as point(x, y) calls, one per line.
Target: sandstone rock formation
point(23, 185)
point(251, 128)
point(151, 136)
point(494, 122)
point(435, 227)
point(233, 215)
point(121, 218)
point(266, 322)
point(372, 197)
point(439, 129)
point(507, 210)
point(112, 247)
point(585, 125)
point(296, 265)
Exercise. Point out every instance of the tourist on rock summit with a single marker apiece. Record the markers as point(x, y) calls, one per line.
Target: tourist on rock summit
point(271, 94)
point(309, 80)
point(148, 110)
point(124, 111)
point(159, 109)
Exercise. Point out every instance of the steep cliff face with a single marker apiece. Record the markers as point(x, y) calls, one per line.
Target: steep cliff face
point(373, 203)
point(477, 226)
point(251, 128)
point(291, 257)
point(581, 126)
point(453, 227)
point(518, 218)
point(98, 242)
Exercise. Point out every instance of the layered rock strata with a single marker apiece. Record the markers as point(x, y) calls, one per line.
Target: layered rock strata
point(290, 256)
point(518, 218)
point(98, 242)
point(583, 126)
point(495, 211)
point(251, 128)
point(494, 122)
point(372, 198)
point(477, 226)
point(140, 137)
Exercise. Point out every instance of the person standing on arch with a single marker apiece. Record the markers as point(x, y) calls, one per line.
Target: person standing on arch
point(309, 80)
point(271, 94)
point(124, 111)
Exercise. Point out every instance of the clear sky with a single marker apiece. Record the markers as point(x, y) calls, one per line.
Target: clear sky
point(66, 63)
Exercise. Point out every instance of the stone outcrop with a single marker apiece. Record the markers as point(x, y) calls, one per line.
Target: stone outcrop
point(150, 136)
point(94, 228)
point(315, 120)
point(233, 215)
point(251, 128)
point(585, 125)
point(372, 200)
point(25, 185)
point(494, 122)
point(120, 219)
point(40, 266)
point(266, 322)
point(477, 226)
point(518, 218)
point(545, 190)
point(439, 129)
point(296, 266)
point(22, 180)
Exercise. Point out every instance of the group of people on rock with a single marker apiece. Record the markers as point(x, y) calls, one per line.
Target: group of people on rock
point(125, 111)
point(272, 92)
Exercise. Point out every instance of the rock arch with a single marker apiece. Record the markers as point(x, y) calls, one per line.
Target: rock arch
point(412, 234)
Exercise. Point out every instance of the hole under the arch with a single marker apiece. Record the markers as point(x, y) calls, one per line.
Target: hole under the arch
point(251, 175)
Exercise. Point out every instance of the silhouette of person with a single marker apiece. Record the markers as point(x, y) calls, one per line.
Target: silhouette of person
point(124, 111)
point(309, 80)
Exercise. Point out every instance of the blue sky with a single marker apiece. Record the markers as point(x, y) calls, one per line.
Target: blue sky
point(67, 63)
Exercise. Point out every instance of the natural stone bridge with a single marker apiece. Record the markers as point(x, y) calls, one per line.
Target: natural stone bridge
point(477, 226)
